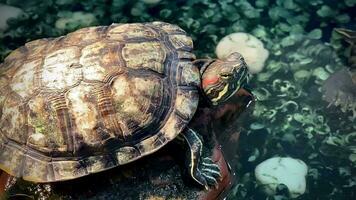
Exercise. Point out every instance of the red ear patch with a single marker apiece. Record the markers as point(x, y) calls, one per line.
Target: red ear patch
point(209, 81)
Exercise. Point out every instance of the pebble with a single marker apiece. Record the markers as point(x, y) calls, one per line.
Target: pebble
point(249, 46)
point(282, 170)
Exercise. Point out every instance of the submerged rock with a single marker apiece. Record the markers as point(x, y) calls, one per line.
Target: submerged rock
point(249, 46)
point(282, 170)
point(75, 20)
point(7, 12)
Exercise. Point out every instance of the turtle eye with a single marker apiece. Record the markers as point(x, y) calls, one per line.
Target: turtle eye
point(225, 75)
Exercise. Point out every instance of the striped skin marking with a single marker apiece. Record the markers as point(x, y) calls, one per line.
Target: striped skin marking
point(193, 142)
point(206, 174)
point(221, 94)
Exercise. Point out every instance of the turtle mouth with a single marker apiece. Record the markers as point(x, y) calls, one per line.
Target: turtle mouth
point(239, 79)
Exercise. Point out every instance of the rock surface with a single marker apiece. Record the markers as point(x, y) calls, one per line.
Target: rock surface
point(75, 20)
point(7, 12)
point(249, 46)
point(155, 177)
point(282, 170)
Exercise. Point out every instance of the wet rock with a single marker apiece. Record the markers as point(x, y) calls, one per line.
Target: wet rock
point(7, 12)
point(158, 176)
point(249, 46)
point(273, 172)
point(75, 20)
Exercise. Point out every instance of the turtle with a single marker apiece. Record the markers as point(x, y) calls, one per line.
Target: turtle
point(105, 96)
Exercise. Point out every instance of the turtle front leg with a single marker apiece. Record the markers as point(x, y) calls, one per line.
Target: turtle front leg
point(202, 170)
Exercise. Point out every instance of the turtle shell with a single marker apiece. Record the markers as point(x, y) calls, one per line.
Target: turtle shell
point(94, 99)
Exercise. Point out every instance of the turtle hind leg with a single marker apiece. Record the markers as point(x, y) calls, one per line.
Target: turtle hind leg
point(202, 170)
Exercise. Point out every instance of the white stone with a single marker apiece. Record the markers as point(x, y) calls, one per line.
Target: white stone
point(282, 170)
point(249, 46)
point(7, 12)
point(77, 18)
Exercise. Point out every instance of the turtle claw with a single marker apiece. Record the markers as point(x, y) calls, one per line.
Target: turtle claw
point(211, 181)
point(210, 171)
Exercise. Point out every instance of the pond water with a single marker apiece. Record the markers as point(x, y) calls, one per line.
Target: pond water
point(305, 94)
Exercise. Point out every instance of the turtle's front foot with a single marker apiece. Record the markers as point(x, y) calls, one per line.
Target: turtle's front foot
point(203, 170)
point(210, 171)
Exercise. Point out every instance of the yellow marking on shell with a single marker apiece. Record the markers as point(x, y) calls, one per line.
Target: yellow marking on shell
point(221, 93)
point(144, 55)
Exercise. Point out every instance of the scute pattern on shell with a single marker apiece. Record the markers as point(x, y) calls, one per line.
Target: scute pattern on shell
point(94, 99)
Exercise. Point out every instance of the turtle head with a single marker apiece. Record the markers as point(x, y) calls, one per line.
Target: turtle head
point(223, 78)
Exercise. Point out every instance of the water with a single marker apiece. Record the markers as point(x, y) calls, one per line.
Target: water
point(290, 118)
